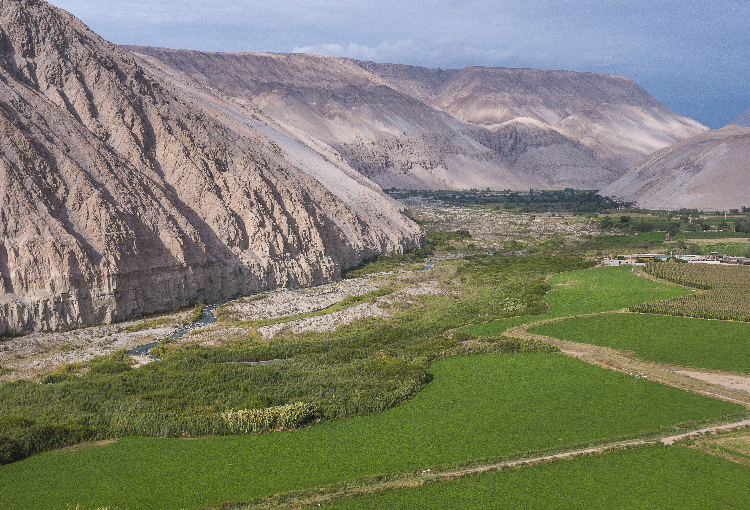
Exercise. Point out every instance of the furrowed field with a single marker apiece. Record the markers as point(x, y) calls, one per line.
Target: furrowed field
point(726, 296)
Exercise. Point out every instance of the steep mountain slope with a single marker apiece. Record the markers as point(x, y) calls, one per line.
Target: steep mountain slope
point(120, 195)
point(743, 119)
point(411, 127)
point(707, 171)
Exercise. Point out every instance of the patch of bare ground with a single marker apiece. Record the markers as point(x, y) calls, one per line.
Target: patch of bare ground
point(36, 354)
point(489, 227)
point(293, 302)
point(404, 297)
point(92, 444)
point(733, 445)
point(279, 305)
point(322, 323)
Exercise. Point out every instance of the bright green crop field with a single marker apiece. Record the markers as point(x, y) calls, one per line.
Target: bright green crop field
point(476, 407)
point(668, 477)
point(588, 291)
point(717, 345)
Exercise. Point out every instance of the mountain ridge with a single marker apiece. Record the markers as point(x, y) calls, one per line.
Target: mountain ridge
point(412, 127)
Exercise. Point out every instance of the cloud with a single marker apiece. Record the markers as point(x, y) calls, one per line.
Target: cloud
point(379, 53)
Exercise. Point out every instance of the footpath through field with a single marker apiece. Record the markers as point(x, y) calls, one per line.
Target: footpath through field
point(731, 387)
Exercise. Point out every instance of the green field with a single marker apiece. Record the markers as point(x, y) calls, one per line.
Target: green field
point(588, 291)
point(651, 477)
point(477, 407)
point(717, 345)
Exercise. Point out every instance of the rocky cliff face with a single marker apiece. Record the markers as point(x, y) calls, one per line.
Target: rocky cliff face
point(411, 127)
point(124, 191)
point(707, 171)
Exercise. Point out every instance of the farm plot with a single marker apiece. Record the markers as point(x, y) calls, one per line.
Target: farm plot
point(651, 477)
point(716, 345)
point(727, 295)
point(587, 291)
point(477, 407)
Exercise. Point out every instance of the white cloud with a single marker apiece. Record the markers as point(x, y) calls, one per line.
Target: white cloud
point(380, 53)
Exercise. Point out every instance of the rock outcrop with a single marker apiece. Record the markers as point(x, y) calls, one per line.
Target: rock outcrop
point(412, 127)
point(707, 171)
point(124, 191)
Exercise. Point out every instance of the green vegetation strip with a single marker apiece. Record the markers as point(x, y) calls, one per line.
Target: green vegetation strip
point(584, 292)
point(701, 343)
point(477, 407)
point(365, 367)
point(650, 477)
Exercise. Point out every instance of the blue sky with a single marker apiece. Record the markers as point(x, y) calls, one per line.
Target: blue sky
point(692, 55)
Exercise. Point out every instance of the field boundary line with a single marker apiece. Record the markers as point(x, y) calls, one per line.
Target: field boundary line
point(373, 485)
point(620, 361)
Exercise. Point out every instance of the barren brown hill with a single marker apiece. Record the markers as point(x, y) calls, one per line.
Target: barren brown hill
point(121, 194)
point(412, 127)
point(708, 171)
point(743, 119)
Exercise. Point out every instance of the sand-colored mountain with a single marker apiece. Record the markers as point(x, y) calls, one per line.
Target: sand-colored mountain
point(742, 119)
point(122, 193)
point(707, 171)
point(412, 127)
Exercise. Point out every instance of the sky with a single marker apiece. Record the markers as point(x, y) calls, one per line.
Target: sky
point(692, 55)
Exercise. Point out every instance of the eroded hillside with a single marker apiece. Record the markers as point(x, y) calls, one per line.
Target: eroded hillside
point(120, 196)
point(412, 127)
point(706, 171)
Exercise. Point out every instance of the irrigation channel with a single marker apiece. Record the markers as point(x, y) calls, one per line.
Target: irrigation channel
point(209, 317)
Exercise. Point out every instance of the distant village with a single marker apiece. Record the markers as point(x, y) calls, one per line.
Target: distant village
point(642, 258)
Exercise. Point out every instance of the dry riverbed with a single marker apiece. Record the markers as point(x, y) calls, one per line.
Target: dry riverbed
point(34, 355)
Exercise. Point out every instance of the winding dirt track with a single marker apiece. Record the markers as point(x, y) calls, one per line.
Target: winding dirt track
point(731, 387)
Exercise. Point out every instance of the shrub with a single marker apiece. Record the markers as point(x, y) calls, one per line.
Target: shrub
point(286, 417)
point(115, 367)
point(10, 451)
point(197, 313)
point(55, 378)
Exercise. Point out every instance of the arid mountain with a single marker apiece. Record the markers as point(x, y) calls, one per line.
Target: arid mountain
point(123, 191)
point(708, 171)
point(743, 119)
point(412, 127)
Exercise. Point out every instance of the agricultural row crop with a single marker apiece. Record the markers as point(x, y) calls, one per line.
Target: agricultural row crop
point(726, 296)
point(584, 292)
